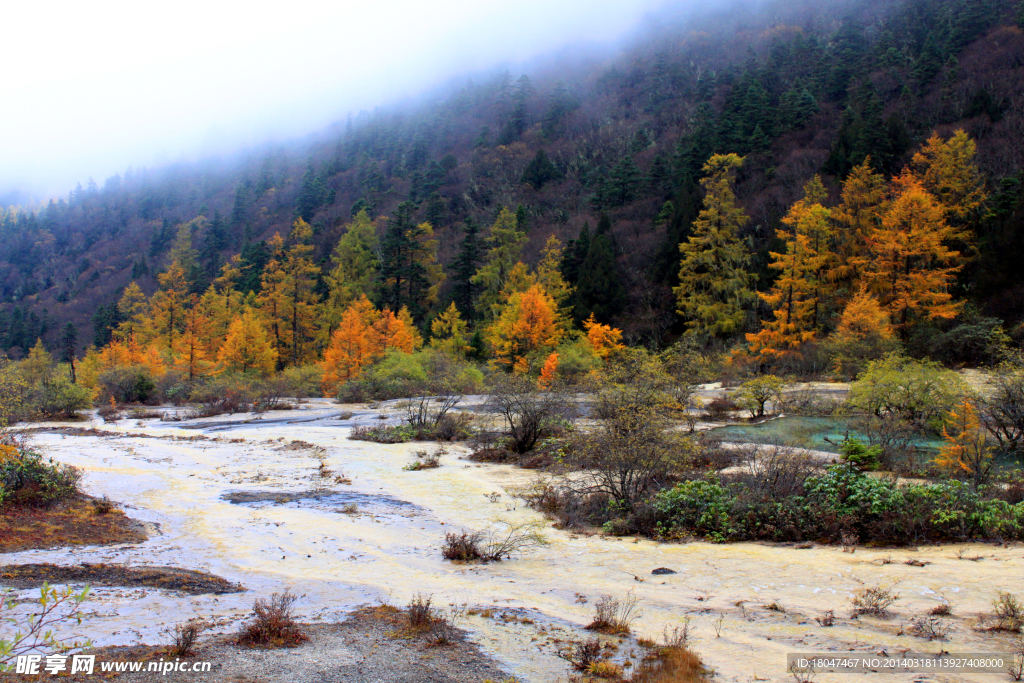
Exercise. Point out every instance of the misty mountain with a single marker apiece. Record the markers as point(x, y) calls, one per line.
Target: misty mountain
point(608, 150)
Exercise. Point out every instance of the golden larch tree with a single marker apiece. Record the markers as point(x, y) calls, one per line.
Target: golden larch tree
point(947, 170)
point(354, 345)
point(911, 266)
point(449, 332)
point(604, 339)
point(247, 346)
point(527, 324)
point(167, 307)
point(864, 199)
point(799, 296)
point(967, 448)
point(191, 355)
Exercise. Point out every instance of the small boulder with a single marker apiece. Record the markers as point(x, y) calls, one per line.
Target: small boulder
point(663, 570)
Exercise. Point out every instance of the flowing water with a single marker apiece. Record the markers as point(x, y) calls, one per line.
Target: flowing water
point(241, 508)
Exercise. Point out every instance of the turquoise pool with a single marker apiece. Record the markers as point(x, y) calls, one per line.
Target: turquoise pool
point(818, 433)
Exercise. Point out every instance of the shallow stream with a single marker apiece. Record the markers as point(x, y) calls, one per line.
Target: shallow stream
point(240, 507)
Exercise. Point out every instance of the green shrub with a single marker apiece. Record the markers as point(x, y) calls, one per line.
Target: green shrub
point(916, 391)
point(133, 384)
point(384, 434)
point(863, 457)
point(27, 478)
point(697, 507)
point(302, 381)
point(404, 375)
point(56, 396)
point(576, 361)
point(842, 502)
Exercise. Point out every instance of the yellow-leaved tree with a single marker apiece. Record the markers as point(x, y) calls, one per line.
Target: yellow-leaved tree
point(449, 332)
point(167, 307)
point(191, 356)
point(287, 298)
point(946, 169)
point(247, 348)
point(132, 307)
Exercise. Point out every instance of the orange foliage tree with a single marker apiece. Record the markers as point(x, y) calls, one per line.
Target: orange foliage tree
point(966, 446)
point(603, 338)
point(363, 335)
point(526, 324)
point(864, 317)
point(547, 373)
point(190, 348)
point(801, 292)
point(911, 266)
point(858, 215)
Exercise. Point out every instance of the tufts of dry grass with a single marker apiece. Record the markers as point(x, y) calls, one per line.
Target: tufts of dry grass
point(613, 616)
point(671, 665)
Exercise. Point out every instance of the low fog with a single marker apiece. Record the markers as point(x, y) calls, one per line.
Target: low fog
point(93, 89)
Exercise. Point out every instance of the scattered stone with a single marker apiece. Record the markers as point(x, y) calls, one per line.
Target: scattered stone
point(663, 570)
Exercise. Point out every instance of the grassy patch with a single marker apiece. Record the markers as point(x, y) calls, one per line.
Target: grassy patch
point(71, 522)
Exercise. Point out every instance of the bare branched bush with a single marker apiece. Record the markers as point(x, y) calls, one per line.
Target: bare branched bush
point(185, 637)
point(1016, 666)
point(507, 539)
point(827, 619)
point(529, 413)
point(444, 626)
point(419, 612)
point(461, 547)
point(678, 636)
point(941, 610)
point(930, 627)
point(1002, 411)
point(874, 601)
point(1008, 612)
point(273, 624)
point(776, 471)
point(581, 654)
point(498, 543)
point(614, 616)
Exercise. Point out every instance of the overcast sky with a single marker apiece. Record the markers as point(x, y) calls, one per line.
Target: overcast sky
point(93, 87)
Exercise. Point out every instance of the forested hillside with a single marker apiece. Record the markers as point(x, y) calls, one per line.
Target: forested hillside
point(419, 208)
